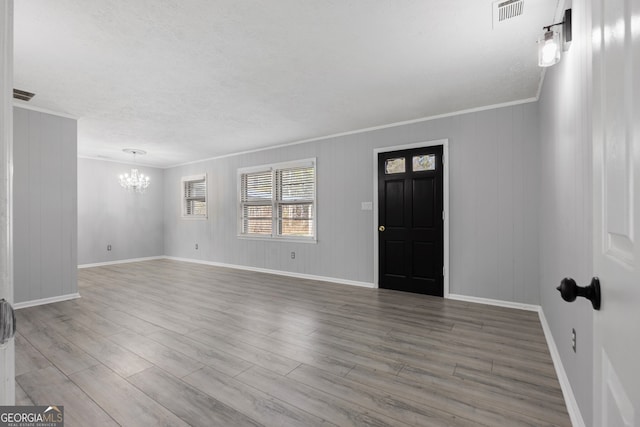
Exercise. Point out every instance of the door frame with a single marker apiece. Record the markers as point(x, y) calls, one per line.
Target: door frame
point(445, 206)
point(7, 350)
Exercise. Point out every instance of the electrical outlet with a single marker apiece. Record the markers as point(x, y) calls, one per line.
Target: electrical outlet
point(196, 246)
point(573, 340)
point(293, 255)
point(108, 247)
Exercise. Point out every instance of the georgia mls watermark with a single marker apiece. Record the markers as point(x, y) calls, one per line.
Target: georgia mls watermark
point(32, 416)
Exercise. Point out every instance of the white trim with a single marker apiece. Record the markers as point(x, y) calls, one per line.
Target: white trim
point(308, 162)
point(270, 238)
point(565, 385)
point(495, 302)
point(364, 130)
point(273, 168)
point(120, 261)
point(278, 272)
point(567, 391)
point(445, 204)
point(121, 162)
point(23, 104)
point(7, 285)
point(43, 301)
point(183, 209)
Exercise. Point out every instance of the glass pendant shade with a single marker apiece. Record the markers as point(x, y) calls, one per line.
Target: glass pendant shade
point(549, 49)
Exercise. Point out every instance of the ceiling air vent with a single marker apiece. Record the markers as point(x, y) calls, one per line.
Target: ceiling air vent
point(505, 10)
point(23, 95)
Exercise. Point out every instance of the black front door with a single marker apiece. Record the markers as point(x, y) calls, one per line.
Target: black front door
point(410, 220)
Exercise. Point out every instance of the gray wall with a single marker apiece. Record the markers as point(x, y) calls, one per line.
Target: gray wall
point(565, 214)
point(45, 208)
point(131, 223)
point(494, 174)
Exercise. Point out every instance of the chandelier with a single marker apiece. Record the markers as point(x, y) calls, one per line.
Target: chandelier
point(134, 181)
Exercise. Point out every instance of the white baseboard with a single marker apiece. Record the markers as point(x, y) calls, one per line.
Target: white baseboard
point(120, 261)
point(496, 302)
point(565, 385)
point(567, 391)
point(278, 272)
point(42, 301)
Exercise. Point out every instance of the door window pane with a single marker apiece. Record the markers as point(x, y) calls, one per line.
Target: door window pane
point(424, 163)
point(392, 166)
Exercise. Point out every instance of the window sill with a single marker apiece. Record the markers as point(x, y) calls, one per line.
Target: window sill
point(312, 240)
point(191, 218)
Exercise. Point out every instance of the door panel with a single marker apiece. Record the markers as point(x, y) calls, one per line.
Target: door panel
point(422, 251)
point(411, 236)
point(617, 408)
point(617, 129)
point(616, 213)
point(394, 203)
point(395, 258)
point(424, 202)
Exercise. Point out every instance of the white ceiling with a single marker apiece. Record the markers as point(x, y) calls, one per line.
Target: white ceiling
point(188, 80)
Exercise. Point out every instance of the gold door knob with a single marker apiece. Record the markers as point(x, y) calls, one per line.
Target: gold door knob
point(381, 228)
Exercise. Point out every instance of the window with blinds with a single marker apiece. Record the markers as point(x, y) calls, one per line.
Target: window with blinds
point(278, 200)
point(194, 196)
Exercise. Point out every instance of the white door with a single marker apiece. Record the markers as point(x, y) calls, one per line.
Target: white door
point(7, 365)
point(616, 185)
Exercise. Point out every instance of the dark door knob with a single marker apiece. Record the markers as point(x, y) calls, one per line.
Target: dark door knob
point(569, 291)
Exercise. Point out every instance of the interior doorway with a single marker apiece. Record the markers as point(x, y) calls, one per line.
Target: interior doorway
point(411, 224)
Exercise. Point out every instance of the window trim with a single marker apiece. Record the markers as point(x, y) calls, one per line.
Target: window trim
point(272, 167)
point(183, 199)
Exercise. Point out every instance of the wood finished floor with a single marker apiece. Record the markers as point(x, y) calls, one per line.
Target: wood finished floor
point(167, 343)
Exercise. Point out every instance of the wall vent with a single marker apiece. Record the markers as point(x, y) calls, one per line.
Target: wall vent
point(505, 10)
point(23, 95)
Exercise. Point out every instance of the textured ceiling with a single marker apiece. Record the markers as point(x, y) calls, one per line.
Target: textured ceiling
point(188, 80)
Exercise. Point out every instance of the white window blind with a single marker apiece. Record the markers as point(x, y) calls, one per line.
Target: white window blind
point(295, 199)
point(256, 199)
point(278, 200)
point(194, 196)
